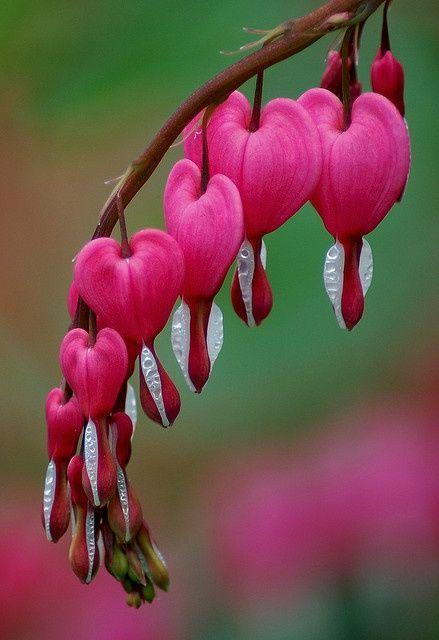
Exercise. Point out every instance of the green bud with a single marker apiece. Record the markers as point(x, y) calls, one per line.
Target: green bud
point(148, 592)
point(155, 560)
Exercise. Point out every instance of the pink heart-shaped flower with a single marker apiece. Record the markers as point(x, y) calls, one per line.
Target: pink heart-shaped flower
point(96, 371)
point(365, 167)
point(275, 167)
point(133, 295)
point(209, 228)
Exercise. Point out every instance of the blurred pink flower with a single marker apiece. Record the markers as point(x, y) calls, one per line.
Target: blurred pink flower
point(365, 494)
point(41, 599)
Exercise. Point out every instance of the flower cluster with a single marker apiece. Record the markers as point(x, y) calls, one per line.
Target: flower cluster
point(247, 170)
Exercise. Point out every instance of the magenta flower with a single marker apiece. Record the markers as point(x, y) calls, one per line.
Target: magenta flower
point(84, 549)
point(64, 426)
point(124, 510)
point(275, 166)
point(208, 226)
point(96, 373)
point(135, 296)
point(365, 167)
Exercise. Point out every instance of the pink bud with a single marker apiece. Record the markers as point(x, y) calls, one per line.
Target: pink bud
point(99, 473)
point(365, 167)
point(275, 167)
point(84, 550)
point(332, 78)
point(209, 228)
point(64, 425)
point(387, 78)
point(96, 371)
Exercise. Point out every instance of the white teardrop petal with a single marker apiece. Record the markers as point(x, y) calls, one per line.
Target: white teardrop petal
point(366, 266)
point(180, 340)
point(263, 255)
point(123, 499)
point(151, 375)
point(215, 333)
point(246, 269)
point(91, 458)
point(131, 405)
point(90, 540)
point(49, 496)
point(333, 279)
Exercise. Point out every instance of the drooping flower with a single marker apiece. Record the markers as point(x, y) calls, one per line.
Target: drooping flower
point(208, 226)
point(275, 166)
point(124, 510)
point(135, 296)
point(64, 426)
point(96, 372)
point(84, 548)
point(365, 167)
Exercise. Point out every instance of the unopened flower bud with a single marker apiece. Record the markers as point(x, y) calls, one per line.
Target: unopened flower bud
point(124, 511)
point(154, 558)
point(84, 550)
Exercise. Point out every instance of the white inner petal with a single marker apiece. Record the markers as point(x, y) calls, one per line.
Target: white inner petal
point(91, 458)
point(131, 405)
point(49, 496)
point(121, 483)
point(333, 279)
point(263, 255)
point(366, 266)
point(246, 269)
point(152, 378)
point(215, 334)
point(180, 339)
point(90, 540)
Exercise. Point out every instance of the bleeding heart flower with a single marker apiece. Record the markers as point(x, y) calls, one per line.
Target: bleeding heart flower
point(124, 510)
point(135, 296)
point(96, 373)
point(365, 167)
point(209, 228)
point(84, 549)
point(64, 426)
point(275, 167)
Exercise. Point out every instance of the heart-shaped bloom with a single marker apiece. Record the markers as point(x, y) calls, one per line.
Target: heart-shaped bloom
point(387, 78)
point(365, 167)
point(64, 426)
point(209, 229)
point(84, 549)
point(96, 373)
point(276, 168)
point(124, 510)
point(135, 296)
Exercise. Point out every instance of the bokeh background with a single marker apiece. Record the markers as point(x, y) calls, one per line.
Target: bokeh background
point(299, 496)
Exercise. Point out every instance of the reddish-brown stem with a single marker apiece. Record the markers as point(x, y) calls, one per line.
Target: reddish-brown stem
point(257, 103)
point(124, 244)
point(293, 36)
point(205, 172)
point(385, 38)
point(346, 93)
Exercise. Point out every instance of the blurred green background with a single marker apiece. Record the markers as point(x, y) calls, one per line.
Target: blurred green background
point(84, 86)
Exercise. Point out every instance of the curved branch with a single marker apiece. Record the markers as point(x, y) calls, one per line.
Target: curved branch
point(295, 35)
